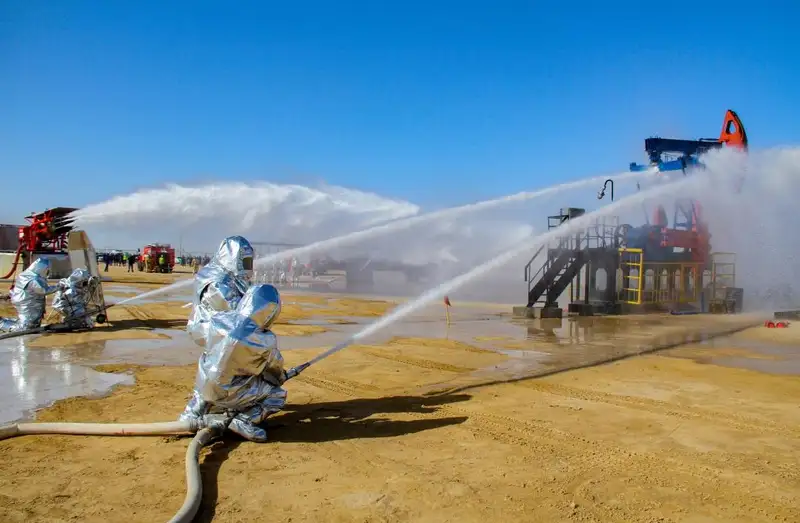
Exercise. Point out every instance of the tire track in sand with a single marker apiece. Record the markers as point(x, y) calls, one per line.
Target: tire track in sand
point(591, 458)
point(651, 405)
point(500, 428)
point(140, 315)
point(350, 455)
point(535, 438)
point(416, 362)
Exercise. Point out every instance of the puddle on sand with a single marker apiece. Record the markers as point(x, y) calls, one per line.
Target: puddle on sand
point(35, 378)
point(42, 375)
point(175, 349)
point(542, 347)
point(765, 357)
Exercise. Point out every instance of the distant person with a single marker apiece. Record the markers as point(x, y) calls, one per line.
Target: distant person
point(131, 261)
point(195, 265)
point(106, 260)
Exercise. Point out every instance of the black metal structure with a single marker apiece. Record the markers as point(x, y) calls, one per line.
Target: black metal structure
point(580, 261)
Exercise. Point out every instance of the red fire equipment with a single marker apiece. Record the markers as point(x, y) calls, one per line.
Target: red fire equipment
point(46, 232)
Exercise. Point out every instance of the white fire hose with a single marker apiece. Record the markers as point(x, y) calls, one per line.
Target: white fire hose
point(205, 431)
point(209, 428)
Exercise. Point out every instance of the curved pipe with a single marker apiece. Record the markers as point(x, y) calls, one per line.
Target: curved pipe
point(194, 483)
point(13, 264)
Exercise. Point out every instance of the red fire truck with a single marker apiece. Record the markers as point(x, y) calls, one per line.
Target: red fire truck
point(152, 256)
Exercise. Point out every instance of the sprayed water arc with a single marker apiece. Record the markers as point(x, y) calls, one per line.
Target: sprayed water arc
point(400, 224)
point(448, 287)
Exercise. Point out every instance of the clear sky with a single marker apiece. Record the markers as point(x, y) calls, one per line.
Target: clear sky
point(436, 102)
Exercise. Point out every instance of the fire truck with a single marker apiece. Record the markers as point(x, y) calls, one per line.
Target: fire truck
point(151, 254)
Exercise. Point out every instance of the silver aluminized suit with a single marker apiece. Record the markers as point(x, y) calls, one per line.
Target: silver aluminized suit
point(29, 296)
point(241, 369)
point(220, 285)
point(74, 297)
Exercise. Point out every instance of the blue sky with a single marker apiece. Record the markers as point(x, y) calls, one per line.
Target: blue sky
point(439, 103)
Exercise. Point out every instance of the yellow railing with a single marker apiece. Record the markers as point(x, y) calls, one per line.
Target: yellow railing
point(672, 282)
point(641, 282)
point(631, 262)
point(723, 274)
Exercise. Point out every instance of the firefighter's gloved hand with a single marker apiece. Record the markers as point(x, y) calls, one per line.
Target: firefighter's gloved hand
point(283, 377)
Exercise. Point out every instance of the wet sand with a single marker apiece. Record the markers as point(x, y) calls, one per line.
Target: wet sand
point(479, 421)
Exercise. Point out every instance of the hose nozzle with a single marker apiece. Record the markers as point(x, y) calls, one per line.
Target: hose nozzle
point(294, 371)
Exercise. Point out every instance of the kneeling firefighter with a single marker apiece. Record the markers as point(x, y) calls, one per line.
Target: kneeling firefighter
point(221, 284)
point(241, 369)
point(29, 296)
point(75, 297)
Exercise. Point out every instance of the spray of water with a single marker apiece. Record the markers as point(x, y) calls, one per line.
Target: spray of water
point(771, 178)
point(180, 284)
point(243, 206)
point(448, 287)
point(90, 214)
point(444, 214)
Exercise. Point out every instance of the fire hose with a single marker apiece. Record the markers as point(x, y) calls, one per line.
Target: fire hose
point(205, 430)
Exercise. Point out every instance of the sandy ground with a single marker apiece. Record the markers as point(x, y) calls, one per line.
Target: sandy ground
point(661, 438)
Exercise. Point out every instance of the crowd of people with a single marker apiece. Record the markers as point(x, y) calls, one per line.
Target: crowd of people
point(283, 273)
point(132, 260)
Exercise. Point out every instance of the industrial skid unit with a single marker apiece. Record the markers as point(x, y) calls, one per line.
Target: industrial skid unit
point(613, 268)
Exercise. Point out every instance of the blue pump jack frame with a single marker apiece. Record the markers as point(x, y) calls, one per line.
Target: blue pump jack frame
point(688, 149)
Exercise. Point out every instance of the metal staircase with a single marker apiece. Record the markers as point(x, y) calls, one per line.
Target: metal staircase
point(561, 264)
point(563, 260)
point(554, 276)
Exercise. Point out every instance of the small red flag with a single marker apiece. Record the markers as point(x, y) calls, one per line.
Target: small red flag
point(447, 301)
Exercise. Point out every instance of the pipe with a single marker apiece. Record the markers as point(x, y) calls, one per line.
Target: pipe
point(602, 192)
point(205, 432)
point(13, 265)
